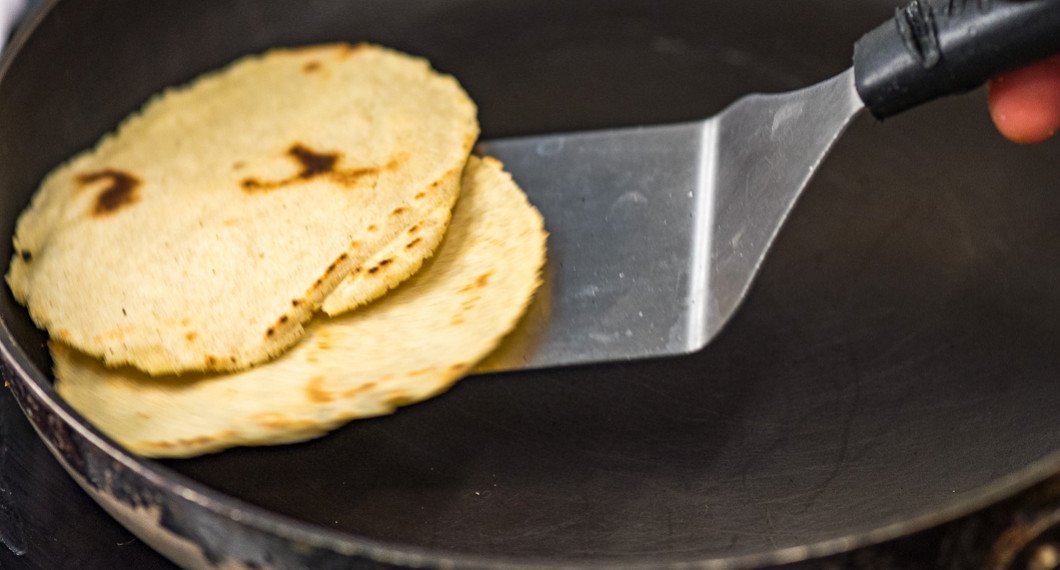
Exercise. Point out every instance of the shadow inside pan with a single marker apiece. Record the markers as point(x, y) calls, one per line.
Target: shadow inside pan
point(898, 351)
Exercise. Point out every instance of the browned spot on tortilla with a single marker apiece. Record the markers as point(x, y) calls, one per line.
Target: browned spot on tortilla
point(421, 372)
point(351, 176)
point(296, 302)
point(238, 165)
point(399, 399)
point(373, 269)
point(191, 336)
point(231, 222)
point(25, 255)
point(470, 301)
point(121, 190)
point(398, 211)
point(185, 322)
point(276, 420)
point(358, 389)
point(458, 366)
point(311, 66)
point(211, 360)
point(112, 334)
point(456, 321)
point(62, 334)
point(323, 344)
point(479, 283)
point(386, 262)
point(415, 228)
point(316, 284)
point(283, 319)
point(412, 243)
point(270, 331)
point(315, 391)
point(342, 256)
point(314, 164)
point(355, 244)
point(334, 264)
point(346, 50)
point(372, 227)
point(420, 195)
point(185, 442)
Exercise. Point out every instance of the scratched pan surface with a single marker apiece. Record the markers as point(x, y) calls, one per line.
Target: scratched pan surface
point(896, 363)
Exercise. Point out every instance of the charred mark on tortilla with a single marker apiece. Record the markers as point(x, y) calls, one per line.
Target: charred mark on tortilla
point(120, 191)
point(313, 164)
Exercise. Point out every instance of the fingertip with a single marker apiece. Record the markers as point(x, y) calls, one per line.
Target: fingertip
point(1025, 103)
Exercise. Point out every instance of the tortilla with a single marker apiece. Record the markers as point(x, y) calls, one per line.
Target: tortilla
point(211, 225)
point(411, 344)
point(391, 266)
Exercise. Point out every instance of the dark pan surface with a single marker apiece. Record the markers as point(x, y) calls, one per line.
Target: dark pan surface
point(898, 354)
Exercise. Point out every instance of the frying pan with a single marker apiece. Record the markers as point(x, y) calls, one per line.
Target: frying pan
point(895, 365)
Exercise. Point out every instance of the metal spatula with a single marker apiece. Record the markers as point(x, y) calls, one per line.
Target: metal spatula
point(658, 232)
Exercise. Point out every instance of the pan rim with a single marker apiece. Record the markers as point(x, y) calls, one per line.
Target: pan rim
point(38, 386)
point(286, 527)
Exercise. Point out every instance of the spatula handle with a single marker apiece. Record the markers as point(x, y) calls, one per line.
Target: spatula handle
point(933, 48)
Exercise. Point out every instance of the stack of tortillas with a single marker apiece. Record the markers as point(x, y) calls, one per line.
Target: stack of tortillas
point(224, 268)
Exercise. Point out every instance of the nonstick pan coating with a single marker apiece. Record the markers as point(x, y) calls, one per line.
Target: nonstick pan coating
point(895, 364)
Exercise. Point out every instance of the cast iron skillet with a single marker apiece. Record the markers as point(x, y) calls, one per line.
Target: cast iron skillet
point(895, 365)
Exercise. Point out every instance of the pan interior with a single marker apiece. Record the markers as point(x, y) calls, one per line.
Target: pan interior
point(897, 352)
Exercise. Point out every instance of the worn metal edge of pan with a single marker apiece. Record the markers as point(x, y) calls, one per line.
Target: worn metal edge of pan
point(177, 515)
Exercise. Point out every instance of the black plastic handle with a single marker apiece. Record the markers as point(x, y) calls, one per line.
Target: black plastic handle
point(939, 47)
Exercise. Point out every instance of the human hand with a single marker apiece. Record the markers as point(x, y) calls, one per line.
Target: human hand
point(1025, 103)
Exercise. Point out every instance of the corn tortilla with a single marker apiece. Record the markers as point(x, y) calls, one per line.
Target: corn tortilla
point(209, 227)
point(409, 345)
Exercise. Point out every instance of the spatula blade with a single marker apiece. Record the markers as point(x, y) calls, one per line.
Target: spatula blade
point(656, 233)
point(625, 214)
point(768, 147)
